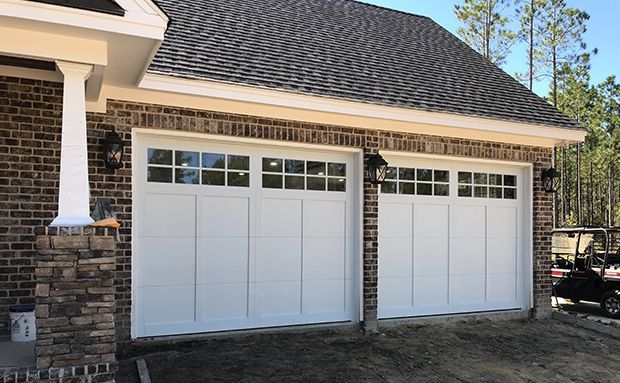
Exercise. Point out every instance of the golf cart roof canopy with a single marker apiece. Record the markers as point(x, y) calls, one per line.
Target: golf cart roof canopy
point(605, 230)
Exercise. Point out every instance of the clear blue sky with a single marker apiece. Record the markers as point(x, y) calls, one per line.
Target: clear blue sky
point(603, 32)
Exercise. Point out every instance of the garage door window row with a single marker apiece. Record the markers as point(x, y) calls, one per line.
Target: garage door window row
point(401, 180)
point(487, 185)
point(294, 174)
point(188, 167)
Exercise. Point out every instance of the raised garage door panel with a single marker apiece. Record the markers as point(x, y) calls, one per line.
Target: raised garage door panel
point(222, 265)
point(215, 249)
point(446, 246)
point(167, 287)
point(469, 255)
point(430, 254)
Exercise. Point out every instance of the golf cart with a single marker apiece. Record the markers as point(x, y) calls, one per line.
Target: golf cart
point(590, 271)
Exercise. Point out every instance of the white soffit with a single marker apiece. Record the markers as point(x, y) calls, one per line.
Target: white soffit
point(142, 18)
point(119, 48)
point(256, 95)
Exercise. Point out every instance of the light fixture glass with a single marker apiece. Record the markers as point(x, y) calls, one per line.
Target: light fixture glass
point(113, 148)
point(551, 180)
point(377, 168)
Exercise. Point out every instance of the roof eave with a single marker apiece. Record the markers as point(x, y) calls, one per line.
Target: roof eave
point(267, 96)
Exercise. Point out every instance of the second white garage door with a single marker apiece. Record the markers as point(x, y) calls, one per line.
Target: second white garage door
point(240, 236)
point(450, 238)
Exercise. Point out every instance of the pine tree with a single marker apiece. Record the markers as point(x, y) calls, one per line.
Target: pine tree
point(485, 28)
point(527, 12)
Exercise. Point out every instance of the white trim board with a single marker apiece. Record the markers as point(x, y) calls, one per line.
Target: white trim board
point(142, 18)
point(331, 105)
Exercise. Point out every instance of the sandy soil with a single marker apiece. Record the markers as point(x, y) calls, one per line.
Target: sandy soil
point(481, 351)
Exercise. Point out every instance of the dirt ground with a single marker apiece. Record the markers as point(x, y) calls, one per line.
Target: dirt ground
point(480, 351)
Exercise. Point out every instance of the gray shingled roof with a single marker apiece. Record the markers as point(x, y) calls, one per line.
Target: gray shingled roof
point(343, 49)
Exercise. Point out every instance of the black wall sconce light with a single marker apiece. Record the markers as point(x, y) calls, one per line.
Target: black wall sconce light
point(551, 180)
point(377, 167)
point(113, 151)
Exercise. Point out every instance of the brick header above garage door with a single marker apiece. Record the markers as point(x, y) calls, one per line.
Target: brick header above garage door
point(29, 157)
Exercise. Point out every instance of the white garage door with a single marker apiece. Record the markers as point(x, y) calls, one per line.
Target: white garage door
point(449, 238)
point(240, 236)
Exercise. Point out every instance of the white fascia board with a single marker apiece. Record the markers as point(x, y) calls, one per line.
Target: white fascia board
point(48, 46)
point(258, 95)
point(134, 23)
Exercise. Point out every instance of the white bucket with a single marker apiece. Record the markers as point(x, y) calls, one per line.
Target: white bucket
point(23, 325)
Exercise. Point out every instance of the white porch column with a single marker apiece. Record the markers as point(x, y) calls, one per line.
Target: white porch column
point(74, 194)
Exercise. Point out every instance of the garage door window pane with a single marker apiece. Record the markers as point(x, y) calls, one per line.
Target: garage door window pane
point(495, 179)
point(272, 181)
point(238, 162)
point(480, 178)
point(390, 173)
point(495, 192)
point(406, 188)
point(186, 176)
point(336, 169)
point(186, 159)
point(294, 182)
point(510, 180)
point(424, 175)
point(159, 157)
point(273, 165)
point(388, 187)
point(213, 160)
point(336, 184)
point(317, 168)
point(465, 178)
point(425, 189)
point(238, 179)
point(294, 166)
point(213, 177)
point(441, 176)
point(510, 193)
point(155, 174)
point(442, 189)
point(480, 191)
point(406, 174)
point(316, 183)
point(464, 190)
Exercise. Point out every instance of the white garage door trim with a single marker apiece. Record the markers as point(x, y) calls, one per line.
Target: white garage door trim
point(257, 149)
point(389, 235)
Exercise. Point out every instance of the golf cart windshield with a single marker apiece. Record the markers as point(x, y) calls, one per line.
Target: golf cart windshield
point(580, 249)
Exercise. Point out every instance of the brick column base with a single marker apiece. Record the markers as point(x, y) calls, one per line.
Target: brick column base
point(75, 301)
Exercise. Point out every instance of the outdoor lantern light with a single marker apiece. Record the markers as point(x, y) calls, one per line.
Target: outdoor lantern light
point(377, 167)
point(113, 151)
point(550, 179)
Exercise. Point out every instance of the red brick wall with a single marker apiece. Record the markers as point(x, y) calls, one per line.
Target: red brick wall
point(29, 154)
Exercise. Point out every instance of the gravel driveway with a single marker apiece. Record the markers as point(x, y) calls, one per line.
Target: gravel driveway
point(480, 351)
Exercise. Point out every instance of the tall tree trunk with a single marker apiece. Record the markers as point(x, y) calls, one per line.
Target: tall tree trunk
point(578, 201)
point(554, 63)
point(487, 32)
point(591, 196)
point(531, 53)
point(610, 190)
point(563, 179)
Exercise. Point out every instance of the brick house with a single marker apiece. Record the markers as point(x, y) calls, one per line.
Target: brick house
point(243, 195)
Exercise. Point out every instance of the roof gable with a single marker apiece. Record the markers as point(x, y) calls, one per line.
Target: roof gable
point(342, 49)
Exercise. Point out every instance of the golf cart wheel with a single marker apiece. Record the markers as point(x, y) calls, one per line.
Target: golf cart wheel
point(610, 304)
